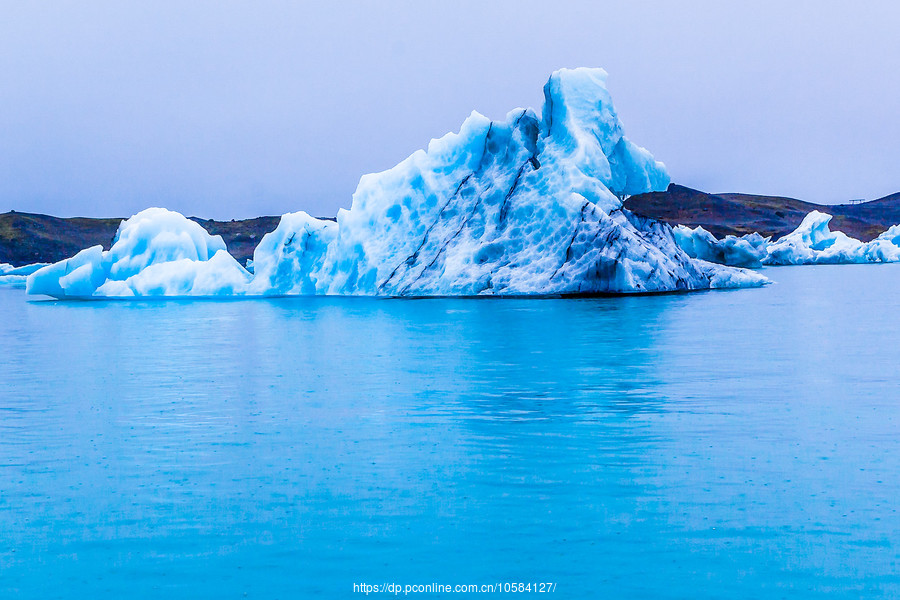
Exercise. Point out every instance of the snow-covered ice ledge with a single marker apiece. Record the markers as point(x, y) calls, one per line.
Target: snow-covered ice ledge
point(522, 206)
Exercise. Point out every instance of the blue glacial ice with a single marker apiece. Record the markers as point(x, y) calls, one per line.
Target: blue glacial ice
point(526, 205)
point(811, 243)
point(156, 252)
point(16, 275)
point(737, 251)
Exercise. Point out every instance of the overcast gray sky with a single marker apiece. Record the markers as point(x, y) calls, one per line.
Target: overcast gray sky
point(236, 109)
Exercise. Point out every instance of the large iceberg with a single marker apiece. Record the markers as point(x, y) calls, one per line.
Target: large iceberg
point(157, 252)
point(526, 205)
point(811, 243)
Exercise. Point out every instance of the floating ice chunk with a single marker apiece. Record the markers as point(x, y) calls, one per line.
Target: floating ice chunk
point(814, 243)
point(8, 269)
point(156, 252)
point(10, 275)
point(882, 250)
point(811, 243)
point(744, 251)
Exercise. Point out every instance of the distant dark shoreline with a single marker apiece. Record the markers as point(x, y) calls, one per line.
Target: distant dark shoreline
point(737, 214)
point(27, 238)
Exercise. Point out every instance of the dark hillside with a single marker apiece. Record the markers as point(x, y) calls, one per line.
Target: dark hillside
point(737, 214)
point(29, 238)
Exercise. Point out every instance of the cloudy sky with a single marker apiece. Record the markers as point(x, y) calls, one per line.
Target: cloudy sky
point(235, 109)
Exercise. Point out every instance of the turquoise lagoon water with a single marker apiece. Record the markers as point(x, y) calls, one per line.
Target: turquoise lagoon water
point(713, 445)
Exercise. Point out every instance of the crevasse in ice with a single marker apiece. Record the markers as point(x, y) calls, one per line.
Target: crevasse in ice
point(526, 205)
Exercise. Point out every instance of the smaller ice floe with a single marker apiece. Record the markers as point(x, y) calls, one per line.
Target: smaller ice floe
point(745, 251)
point(814, 243)
point(156, 252)
point(10, 275)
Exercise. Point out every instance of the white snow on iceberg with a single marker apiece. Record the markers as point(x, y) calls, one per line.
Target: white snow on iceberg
point(156, 252)
point(526, 205)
